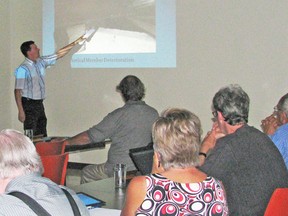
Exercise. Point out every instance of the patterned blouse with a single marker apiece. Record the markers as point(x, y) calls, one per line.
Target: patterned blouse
point(165, 197)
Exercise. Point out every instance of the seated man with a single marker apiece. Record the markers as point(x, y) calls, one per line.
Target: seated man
point(242, 157)
point(128, 127)
point(276, 127)
point(20, 171)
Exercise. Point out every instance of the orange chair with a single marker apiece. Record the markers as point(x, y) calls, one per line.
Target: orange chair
point(55, 167)
point(50, 148)
point(278, 204)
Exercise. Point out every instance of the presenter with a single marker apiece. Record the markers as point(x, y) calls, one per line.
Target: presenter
point(30, 85)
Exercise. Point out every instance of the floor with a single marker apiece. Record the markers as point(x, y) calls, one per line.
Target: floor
point(73, 177)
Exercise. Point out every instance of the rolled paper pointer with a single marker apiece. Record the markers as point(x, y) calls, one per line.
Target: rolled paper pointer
point(87, 34)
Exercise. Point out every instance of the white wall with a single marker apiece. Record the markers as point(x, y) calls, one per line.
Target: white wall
point(218, 42)
point(5, 88)
point(25, 23)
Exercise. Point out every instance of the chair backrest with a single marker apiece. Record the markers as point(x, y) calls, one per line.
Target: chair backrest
point(55, 167)
point(143, 158)
point(278, 204)
point(50, 148)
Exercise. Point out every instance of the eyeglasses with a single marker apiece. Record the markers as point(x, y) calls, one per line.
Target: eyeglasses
point(214, 113)
point(276, 109)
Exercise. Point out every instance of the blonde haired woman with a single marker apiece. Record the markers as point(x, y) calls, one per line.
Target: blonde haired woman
point(176, 186)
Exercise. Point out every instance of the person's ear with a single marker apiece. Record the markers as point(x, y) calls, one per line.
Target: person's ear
point(157, 159)
point(283, 118)
point(157, 167)
point(220, 116)
point(28, 53)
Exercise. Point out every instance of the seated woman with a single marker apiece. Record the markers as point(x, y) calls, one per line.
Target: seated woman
point(176, 186)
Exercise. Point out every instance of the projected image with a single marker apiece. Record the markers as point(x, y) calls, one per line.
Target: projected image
point(126, 26)
point(126, 33)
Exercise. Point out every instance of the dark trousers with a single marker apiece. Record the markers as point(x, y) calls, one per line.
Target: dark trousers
point(35, 117)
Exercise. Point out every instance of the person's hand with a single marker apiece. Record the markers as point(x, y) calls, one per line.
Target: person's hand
point(210, 139)
point(85, 36)
point(58, 139)
point(208, 143)
point(269, 125)
point(218, 132)
point(80, 40)
point(21, 116)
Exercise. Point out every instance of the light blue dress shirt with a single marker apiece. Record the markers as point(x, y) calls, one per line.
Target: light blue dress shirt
point(30, 76)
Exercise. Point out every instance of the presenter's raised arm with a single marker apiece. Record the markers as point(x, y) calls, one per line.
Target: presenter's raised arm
point(64, 50)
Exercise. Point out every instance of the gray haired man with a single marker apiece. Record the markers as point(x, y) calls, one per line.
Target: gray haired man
point(242, 157)
point(20, 171)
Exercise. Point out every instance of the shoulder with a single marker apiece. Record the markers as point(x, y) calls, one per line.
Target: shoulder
point(21, 69)
point(113, 116)
point(6, 198)
point(10, 205)
point(47, 60)
point(214, 180)
point(82, 208)
point(138, 182)
point(247, 131)
point(150, 108)
point(243, 135)
point(282, 131)
point(280, 135)
point(135, 195)
point(67, 189)
point(220, 159)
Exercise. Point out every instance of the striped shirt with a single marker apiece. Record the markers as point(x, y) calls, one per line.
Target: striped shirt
point(280, 139)
point(48, 194)
point(30, 76)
